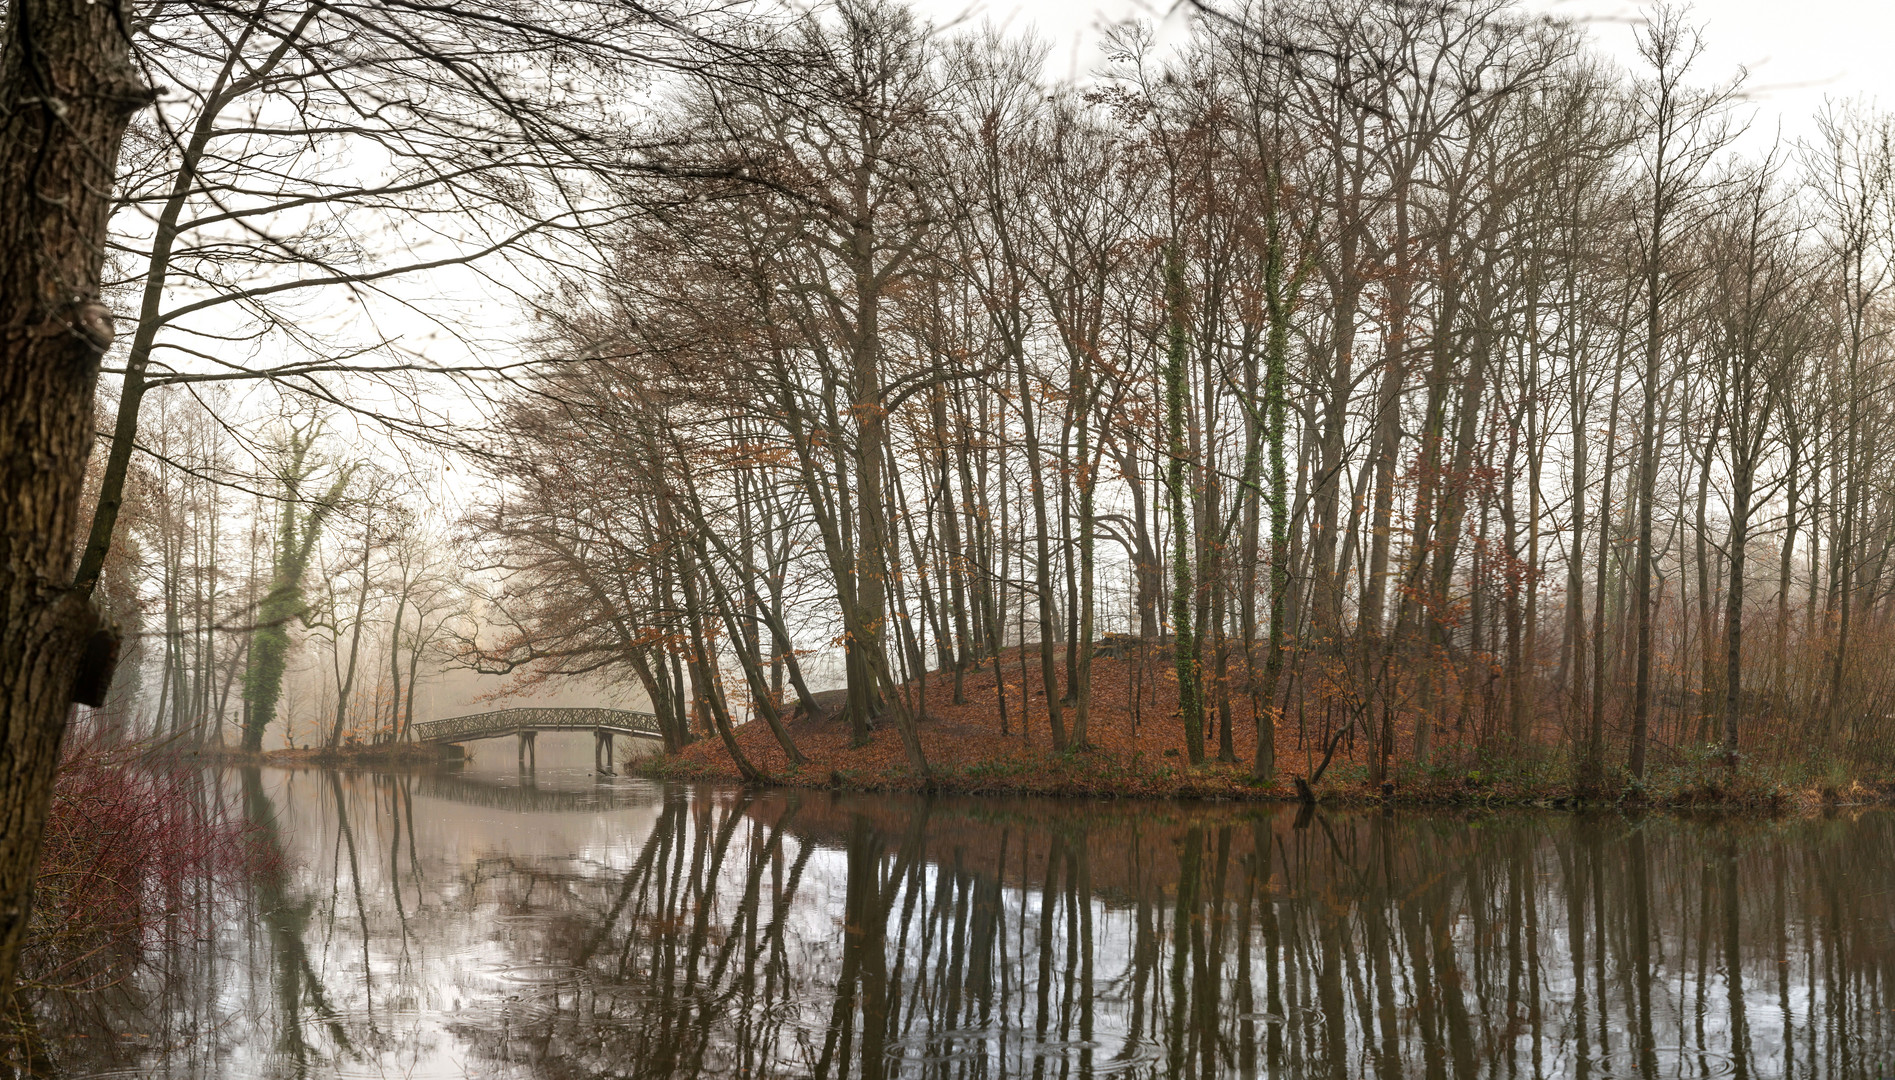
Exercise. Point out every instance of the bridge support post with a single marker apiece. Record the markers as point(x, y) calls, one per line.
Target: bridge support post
point(528, 751)
point(602, 752)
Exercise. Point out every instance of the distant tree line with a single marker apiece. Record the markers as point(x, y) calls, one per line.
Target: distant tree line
point(222, 568)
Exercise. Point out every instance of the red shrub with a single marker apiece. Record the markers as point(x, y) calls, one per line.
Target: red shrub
point(136, 847)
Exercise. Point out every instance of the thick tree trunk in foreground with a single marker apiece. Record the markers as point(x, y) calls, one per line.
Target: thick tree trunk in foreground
point(66, 92)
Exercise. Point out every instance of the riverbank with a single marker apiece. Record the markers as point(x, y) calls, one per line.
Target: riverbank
point(1137, 750)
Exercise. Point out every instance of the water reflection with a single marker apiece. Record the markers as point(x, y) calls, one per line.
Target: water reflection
point(454, 926)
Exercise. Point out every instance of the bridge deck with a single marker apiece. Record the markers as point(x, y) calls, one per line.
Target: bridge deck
point(501, 722)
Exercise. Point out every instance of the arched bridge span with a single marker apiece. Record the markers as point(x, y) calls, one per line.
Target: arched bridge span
point(526, 723)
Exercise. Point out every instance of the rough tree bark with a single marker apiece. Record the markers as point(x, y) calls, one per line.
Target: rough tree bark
point(67, 90)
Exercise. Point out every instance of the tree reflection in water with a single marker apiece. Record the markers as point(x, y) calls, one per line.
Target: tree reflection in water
point(427, 926)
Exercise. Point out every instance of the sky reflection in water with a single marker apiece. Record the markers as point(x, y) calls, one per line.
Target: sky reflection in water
point(472, 925)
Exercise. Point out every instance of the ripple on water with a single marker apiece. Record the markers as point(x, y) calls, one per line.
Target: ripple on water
point(1127, 1058)
point(616, 994)
point(373, 1017)
point(1672, 1063)
point(1298, 1015)
point(513, 1010)
point(560, 975)
point(1066, 1048)
point(942, 1045)
point(953, 1045)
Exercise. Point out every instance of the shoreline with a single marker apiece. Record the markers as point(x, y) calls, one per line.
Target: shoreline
point(990, 736)
point(387, 755)
point(1214, 783)
point(993, 740)
point(1103, 775)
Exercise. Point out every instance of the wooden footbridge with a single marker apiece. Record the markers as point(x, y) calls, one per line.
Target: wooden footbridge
point(525, 724)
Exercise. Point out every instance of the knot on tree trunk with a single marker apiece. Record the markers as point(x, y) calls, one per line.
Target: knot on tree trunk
point(129, 93)
point(78, 624)
point(98, 663)
point(92, 322)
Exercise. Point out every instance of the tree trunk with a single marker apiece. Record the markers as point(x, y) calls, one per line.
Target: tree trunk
point(67, 91)
point(1707, 619)
point(1374, 615)
point(1572, 648)
point(1643, 561)
point(1081, 675)
point(1048, 609)
point(1785, 565)
point(1513, 581)
point(747, 653)
point(1184, 650)
point(346, 685)
point(394, 665)
point(1592, 762)
point(953, 562)
point(709, 695)
point(1741, 484)
point(1276, 428)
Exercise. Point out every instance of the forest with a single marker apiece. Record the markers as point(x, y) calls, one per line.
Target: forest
point(1402, 377)
point(1417, 389)
point(1356, 402)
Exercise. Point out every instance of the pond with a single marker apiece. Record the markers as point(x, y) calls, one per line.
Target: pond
point(485, 923)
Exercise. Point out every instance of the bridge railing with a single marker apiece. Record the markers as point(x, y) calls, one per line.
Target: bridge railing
point(506, 721)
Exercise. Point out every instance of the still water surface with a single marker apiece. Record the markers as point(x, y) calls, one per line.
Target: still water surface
point(472, 924)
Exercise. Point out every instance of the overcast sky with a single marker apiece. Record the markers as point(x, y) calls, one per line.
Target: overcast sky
point(1797, 51)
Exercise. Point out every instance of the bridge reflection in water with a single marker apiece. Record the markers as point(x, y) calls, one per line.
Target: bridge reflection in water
point(526, 724)
point(528, 797)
